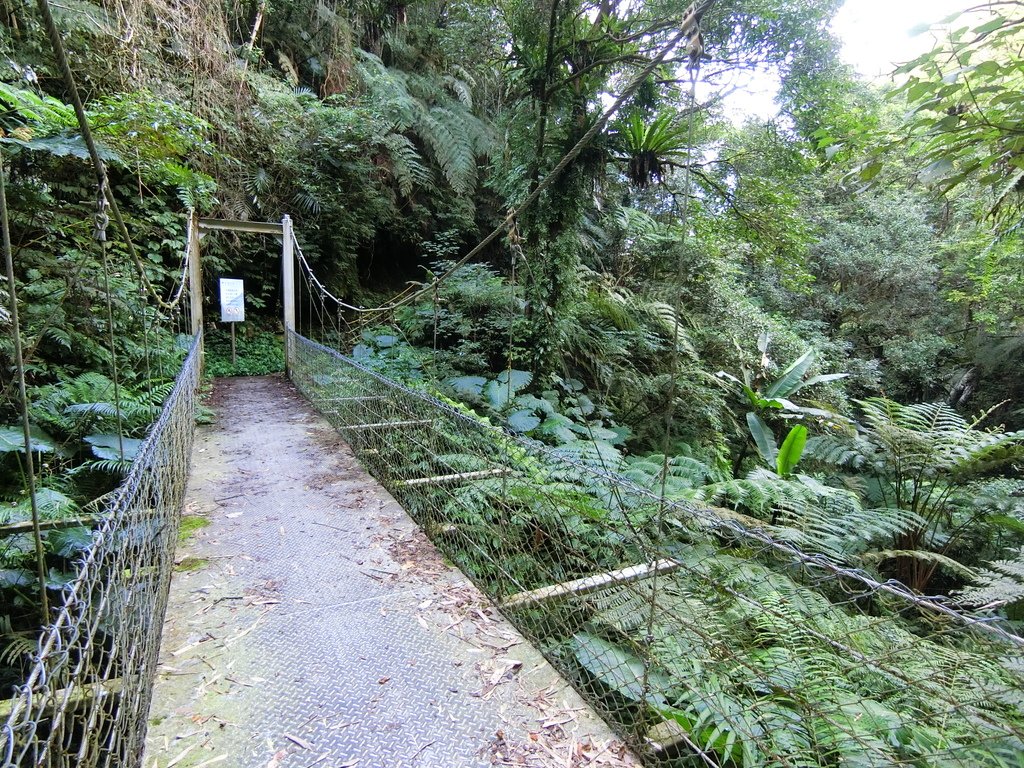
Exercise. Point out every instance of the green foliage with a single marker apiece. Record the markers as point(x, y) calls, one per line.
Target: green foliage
point(965, 113)
point(651, 147)
point(257, 354)
point(791, 450)
point(925, 461)
point(738, 668)
point(382, 351)
point(444, 126)
point(766, 396)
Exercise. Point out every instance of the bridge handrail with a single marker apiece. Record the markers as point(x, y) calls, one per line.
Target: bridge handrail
point(86, 699)
point(696, 635)
point(707, 517)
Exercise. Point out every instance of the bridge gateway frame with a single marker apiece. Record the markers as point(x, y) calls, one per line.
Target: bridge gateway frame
point(199, 227)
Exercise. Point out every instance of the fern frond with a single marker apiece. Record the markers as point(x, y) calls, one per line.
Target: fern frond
point(461, 90)
point(933, 439)
point(450, 147)
point(406, 164)
point(999, 583)
point(672, 325)
point(935, 558)
point(837, 451)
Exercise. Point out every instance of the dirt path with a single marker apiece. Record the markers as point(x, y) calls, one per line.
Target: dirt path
point(312, 624)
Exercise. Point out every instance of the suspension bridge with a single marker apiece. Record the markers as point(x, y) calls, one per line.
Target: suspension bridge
point(438, 612)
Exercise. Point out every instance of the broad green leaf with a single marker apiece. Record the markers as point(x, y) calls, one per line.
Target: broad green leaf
point(919, 89)
point(468, 387)
point(108, 447)
point(523, 421)
point(935, 171)
point(618, 668)
point(870, 170)
point(787, 383)
point(13, 439)
point(16, 577)
point(991, 26)
point(1007, 522)
point(729, 376)
point(792, 450)
point(518, 379)
point(763, 439)
point(820, 380)
point(497, 394)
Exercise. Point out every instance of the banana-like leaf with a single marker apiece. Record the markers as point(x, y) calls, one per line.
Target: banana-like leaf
point(763, 438)
point(822, 379)
point(789, 381)
point(791, 451)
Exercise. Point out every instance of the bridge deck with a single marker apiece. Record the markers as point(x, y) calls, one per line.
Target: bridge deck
point(312, 624)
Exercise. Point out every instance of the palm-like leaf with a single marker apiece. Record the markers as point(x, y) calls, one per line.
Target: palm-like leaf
point(651, 146)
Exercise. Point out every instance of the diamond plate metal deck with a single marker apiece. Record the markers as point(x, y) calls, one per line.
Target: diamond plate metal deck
point(312, 623)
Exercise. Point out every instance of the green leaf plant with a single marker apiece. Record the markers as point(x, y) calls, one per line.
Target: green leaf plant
point(770, 397)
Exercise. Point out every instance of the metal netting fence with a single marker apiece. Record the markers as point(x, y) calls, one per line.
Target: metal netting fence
point(702, 641)
point(86, 700)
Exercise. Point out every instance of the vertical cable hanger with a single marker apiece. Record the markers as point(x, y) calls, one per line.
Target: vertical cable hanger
point(19, 361)
point(694, 46)
point(100, 234)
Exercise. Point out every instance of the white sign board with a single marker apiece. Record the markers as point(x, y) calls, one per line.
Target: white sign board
point(232, 300)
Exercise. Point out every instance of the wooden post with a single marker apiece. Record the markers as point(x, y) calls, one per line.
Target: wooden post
point(288, 288)
point(195, 273)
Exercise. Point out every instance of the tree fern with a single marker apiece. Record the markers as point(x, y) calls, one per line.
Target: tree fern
point(998, 584)
point(406, 164)
point(440, 119)
point(928, 463)
point(451, 145)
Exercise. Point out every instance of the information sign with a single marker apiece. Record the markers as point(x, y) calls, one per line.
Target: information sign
point(232, 300)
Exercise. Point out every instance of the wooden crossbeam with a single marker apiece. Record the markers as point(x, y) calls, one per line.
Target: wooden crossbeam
point(665, 735)
point(80, 696)
point(233, 225)
point(442, 479)
point(382, 424)
point(25, 526)
point(592, 583)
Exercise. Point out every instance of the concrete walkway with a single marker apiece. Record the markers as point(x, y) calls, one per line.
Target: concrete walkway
point(312, 624)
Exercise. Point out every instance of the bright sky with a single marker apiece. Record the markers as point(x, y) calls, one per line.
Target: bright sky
point(877, 35)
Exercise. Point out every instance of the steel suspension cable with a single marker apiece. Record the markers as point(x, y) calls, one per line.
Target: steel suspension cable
point(101, 237)
point(687, 30)
point(673, 392)
point(19, 362)
point(57, 44)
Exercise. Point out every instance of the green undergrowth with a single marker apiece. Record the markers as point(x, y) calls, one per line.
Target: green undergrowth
point(258, 354)
point(758, 659)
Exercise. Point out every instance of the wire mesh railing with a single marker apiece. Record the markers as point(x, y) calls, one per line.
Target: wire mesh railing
point(86, 700)
point(703, 642)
